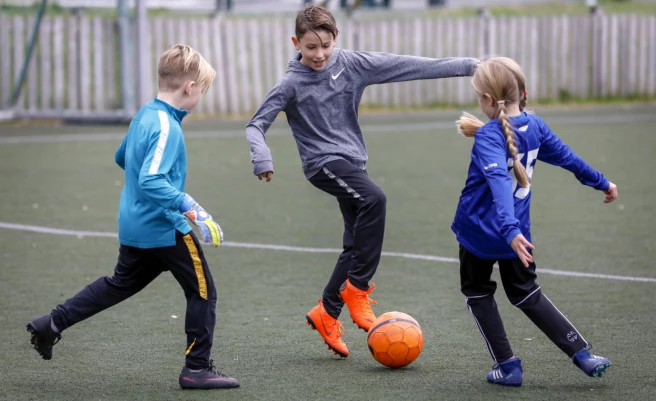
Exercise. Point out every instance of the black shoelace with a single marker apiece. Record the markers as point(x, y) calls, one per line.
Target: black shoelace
point(213, 369)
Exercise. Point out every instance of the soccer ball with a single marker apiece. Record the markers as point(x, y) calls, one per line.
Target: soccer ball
point(395, 339)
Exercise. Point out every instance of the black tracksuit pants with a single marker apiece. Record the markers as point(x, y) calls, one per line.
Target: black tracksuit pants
point(135, 269)
point(363, 207)
point(523, 292)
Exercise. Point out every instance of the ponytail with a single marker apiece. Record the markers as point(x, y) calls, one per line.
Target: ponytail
point(468, 124)
point(509, 133)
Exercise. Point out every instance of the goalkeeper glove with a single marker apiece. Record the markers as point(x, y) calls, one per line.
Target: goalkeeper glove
point(209, 229)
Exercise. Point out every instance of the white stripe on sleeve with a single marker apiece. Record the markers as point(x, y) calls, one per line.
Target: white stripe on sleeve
point(161, 144)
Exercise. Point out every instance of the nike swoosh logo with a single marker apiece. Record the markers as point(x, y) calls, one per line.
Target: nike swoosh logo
point(338, 74)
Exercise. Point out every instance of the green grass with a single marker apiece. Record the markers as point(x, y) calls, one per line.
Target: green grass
point(136, 349)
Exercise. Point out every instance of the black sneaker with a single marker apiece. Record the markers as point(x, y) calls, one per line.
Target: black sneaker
point(43, 336)
point(207, 378)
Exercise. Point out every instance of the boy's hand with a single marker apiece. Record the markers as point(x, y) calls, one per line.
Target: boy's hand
point(267, 175)
point(209, 229)
point(611, 193)
point(519, 245)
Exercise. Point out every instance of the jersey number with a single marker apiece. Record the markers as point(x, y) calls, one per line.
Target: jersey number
point(522, 193)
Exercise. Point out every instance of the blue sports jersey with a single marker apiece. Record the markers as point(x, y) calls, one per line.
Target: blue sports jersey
point(154, 158)
point(493, 208)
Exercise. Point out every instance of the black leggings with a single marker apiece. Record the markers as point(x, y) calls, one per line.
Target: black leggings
point(523, 292)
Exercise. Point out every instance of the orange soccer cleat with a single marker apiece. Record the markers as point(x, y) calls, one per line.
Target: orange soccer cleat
point(358, 303)
point(329, 328)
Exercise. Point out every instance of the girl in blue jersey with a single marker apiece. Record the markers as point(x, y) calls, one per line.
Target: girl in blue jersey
point(492, 219)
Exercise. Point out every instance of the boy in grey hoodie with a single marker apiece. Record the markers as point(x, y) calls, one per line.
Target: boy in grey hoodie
point(320, 94)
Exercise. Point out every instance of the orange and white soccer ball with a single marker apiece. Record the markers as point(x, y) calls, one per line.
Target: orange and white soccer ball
point(395, 339)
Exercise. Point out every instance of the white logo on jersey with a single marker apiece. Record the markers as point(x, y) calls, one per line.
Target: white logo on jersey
point(338, 74)
point(522, 129)
point(490, 166)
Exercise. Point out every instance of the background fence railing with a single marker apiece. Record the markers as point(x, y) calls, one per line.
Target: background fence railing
point(75, 68)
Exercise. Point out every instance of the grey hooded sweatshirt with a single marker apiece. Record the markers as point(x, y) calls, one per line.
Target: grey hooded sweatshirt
point(322, 106)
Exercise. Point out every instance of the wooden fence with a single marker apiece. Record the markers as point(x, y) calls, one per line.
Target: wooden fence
point(75, 66)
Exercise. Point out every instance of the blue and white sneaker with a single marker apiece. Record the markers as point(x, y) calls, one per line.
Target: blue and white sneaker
point(591, 365)
point(507, 373)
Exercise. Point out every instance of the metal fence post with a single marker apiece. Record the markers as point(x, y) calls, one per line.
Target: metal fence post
point(143, 73)
point(125, 57)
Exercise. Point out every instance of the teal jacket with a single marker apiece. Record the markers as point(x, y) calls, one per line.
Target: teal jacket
point(154, 158)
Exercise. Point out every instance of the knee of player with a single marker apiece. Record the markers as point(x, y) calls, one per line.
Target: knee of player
point(480, 297)
point(525, 299)
point(377, 198)
point(118, 282)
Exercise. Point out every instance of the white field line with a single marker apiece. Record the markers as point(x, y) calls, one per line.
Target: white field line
point(58, 231)
point(367, 128)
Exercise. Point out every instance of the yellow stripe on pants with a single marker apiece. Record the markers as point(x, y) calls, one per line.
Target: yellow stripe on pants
point(198, 266)
point(190, 347)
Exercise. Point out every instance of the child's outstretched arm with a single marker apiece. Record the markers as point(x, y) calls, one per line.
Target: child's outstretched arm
point(379, 68)
point(161, 156)
point(554, 151)
point(489, 153)
point(273, 103)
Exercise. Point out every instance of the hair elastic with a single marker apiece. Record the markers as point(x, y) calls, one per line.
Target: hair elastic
point(501, 102)
point(515, 158)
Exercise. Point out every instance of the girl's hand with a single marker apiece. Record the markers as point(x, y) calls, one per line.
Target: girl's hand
point(519, 245)
point(268, 175)
point(611, 193)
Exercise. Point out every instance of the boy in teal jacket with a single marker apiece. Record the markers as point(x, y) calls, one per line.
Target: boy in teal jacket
point(154, 234)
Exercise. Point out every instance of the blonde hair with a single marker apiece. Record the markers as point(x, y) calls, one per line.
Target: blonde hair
point(182, 63)
point(519, 77)
point(501, 79)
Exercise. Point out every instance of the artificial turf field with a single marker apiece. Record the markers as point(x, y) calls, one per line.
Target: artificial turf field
point(595, 262)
